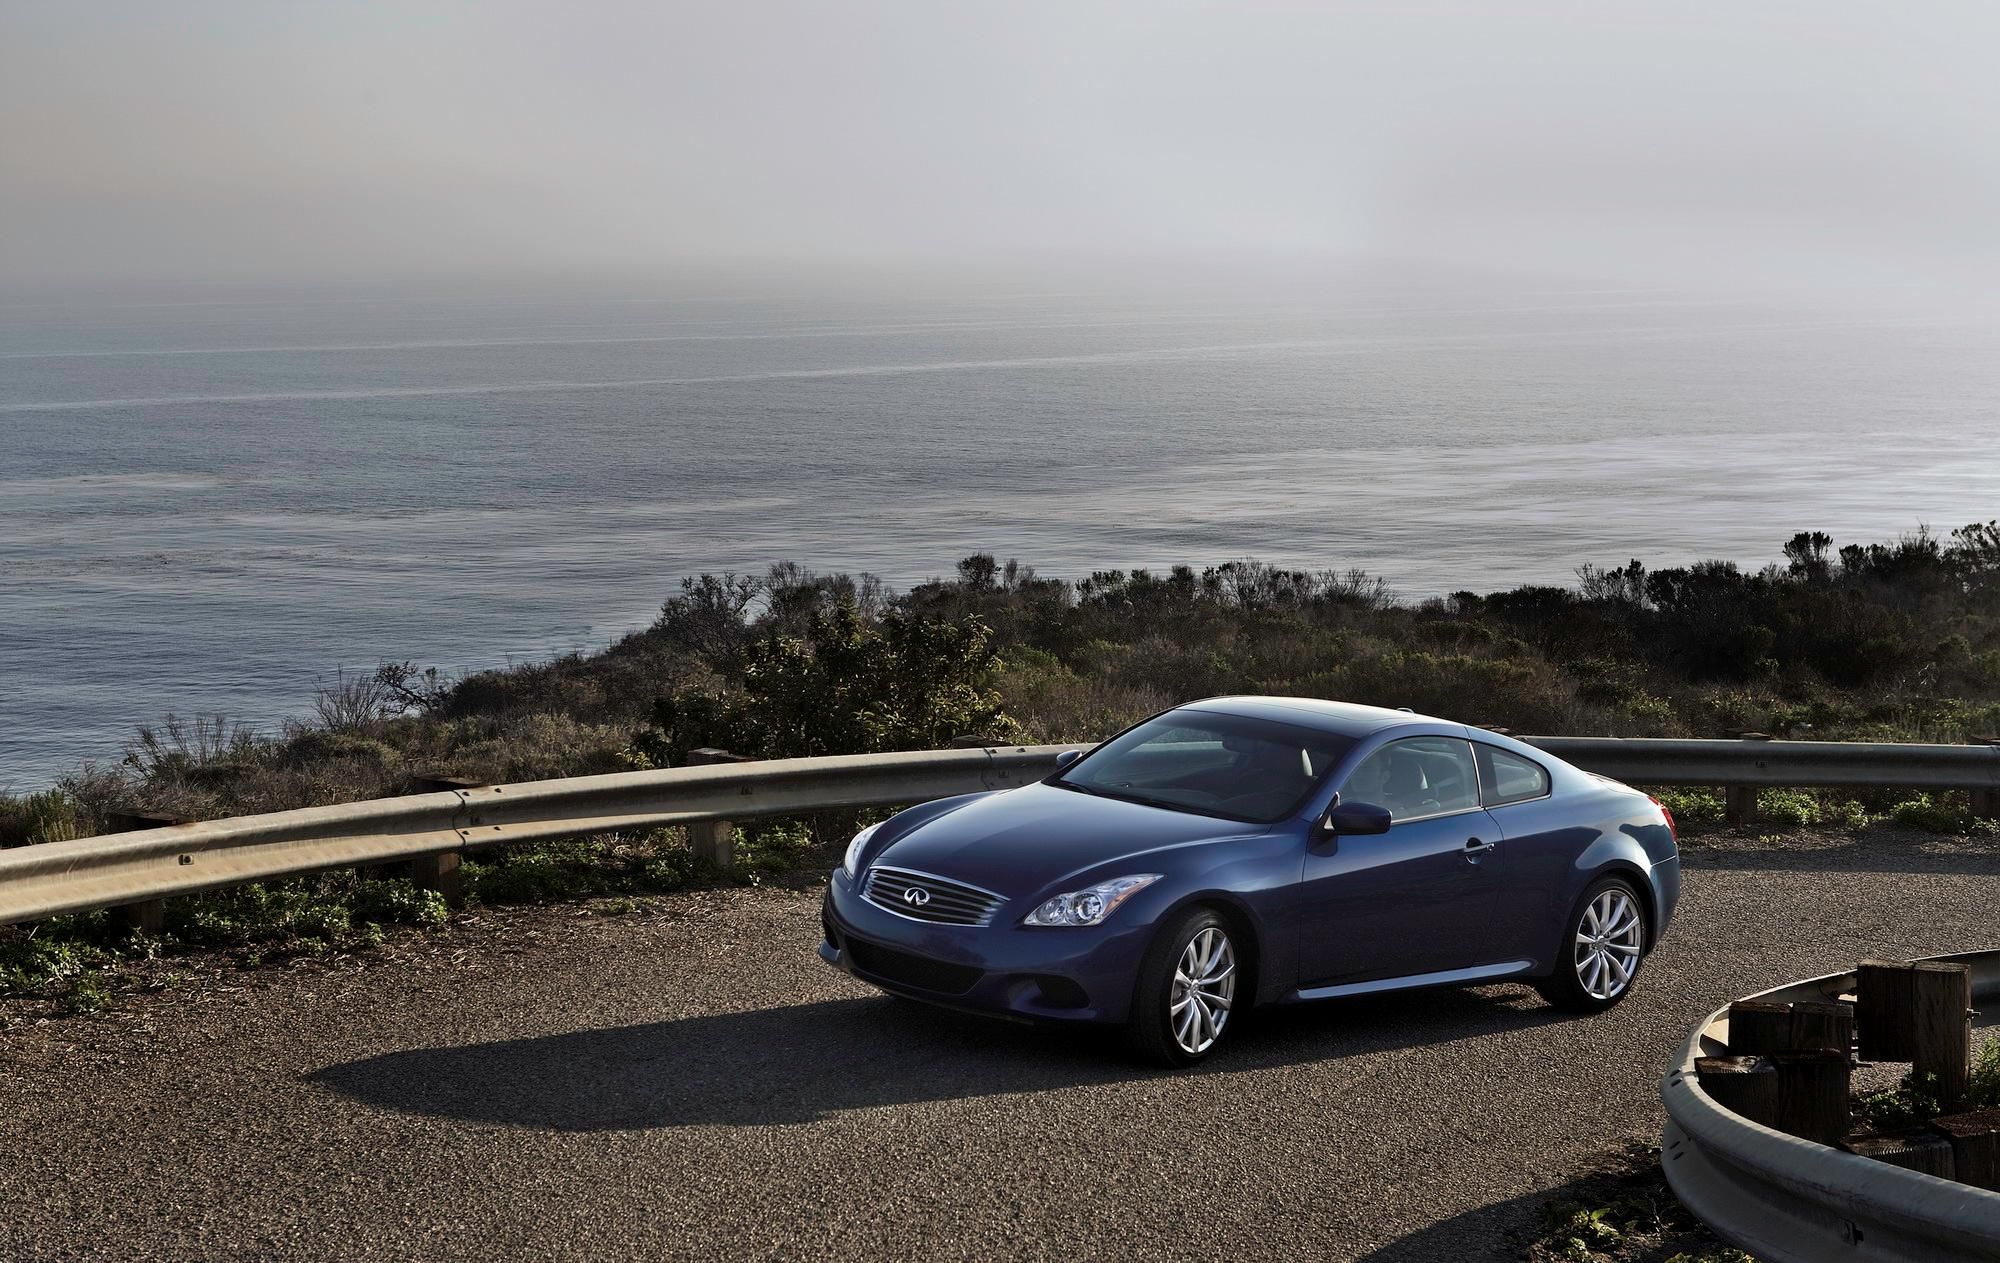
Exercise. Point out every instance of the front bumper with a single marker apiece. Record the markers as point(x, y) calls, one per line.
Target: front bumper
point(1005, 969)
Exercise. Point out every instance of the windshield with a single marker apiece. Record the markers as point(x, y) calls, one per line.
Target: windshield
point(1212, 764)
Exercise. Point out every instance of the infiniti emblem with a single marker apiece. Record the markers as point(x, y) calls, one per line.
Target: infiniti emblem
point(916, 896)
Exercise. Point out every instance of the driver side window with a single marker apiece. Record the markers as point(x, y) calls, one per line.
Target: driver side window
point(1417, 777)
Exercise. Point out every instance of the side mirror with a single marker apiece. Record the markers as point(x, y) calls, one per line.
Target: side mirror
point(1351, 819)
point(1066, 758)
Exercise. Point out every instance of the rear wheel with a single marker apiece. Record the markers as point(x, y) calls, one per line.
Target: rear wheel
point(1186, 990)
point(1604, 942)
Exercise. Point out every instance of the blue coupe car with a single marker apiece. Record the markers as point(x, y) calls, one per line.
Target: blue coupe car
point(1259, 850)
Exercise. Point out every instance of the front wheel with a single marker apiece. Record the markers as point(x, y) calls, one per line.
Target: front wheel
point(1186, 990)
point(1602, 945)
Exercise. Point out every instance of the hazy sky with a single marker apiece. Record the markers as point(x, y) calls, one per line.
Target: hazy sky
point(1786, 143)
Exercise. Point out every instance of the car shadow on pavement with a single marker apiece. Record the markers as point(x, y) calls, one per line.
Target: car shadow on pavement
point(802, 1062)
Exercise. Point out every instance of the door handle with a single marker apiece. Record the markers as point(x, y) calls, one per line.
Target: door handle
point(1474, 848)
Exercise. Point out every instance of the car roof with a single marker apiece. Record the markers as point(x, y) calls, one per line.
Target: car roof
point(1343, 718)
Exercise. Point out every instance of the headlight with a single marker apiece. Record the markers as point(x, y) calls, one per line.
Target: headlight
point(1090, 905)
point(854, 849)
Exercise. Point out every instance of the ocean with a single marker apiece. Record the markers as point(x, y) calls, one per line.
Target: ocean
point(212, 501)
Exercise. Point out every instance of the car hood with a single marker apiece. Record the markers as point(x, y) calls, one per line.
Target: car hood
point(1017, 842)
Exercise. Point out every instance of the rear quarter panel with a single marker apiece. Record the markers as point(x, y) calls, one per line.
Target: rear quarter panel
point(1557, 846)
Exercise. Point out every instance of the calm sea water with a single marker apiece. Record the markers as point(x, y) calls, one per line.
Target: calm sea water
point(212, 503)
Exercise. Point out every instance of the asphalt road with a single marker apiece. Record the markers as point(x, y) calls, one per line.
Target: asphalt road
point(690, 1081)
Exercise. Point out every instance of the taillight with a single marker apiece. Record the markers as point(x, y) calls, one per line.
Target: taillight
point(1668, 814)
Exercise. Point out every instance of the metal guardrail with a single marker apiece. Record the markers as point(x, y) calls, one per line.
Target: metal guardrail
point(1788, 1200)
point(122, 868)
point(1793, 764)
point(129, 868)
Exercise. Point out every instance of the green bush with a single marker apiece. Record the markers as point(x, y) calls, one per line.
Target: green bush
point(1691, 805)
point(1805, 807)
point(398, 903)
point(55, 952)
point(1914, 1101)
point(581, 868)
point(844, 685)
point(774, 848)
point(50, 816)
point(85, 992)
point(544, 873)
point(1943, 813)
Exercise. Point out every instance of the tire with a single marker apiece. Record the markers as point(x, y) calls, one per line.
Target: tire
point(1162, 1028)
point(1605, 932)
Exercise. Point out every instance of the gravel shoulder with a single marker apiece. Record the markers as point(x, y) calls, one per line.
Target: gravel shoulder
point(688, 1079)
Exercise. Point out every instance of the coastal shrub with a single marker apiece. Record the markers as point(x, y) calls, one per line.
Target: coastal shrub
point(707, 618)
point(535, 746)
point(603, 864)
point(355, 704)
point(544, 873)
point(31, 960)
point(1691, 804)
point(1948, 812)
point(397, 903)
point(1526, 695)
point(1054, 704)
point(50, 816)
point(177, 746)
point(845, 685)
point(773, 848)
point(1804, 807)
point(277, 912)
point(315, 746)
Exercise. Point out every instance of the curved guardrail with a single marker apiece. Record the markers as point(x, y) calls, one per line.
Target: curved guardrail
point(126, 868)
point(1788, 1200)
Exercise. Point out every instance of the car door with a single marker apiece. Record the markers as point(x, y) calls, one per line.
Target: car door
point(1540, 839)
point(1418, 899)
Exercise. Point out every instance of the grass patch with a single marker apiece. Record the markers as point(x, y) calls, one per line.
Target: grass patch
point(582, 868)
point(1914, 1101)
point(1624, 1213)
point(1947, 813)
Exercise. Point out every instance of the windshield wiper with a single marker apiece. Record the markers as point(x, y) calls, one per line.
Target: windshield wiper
point(1076, 788)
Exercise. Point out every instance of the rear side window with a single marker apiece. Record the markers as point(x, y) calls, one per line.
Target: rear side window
point(1416, 777)
point(1509, 778)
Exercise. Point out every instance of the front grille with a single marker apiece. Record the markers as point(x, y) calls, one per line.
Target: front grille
point(936, 899)
point(922, 972)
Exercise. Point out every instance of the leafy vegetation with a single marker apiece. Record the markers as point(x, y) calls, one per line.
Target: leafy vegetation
point(1624, 1213)
point(1882, 641)
point(1915, 1101)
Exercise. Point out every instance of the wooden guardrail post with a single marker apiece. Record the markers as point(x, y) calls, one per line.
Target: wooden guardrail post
point(1799, 1093)
point(1884, 1001)
point(1822, 1025)
point(1920, 1013)
point(713, 841)
point(1761, 1026)
point(1741, 1085)
point(1941, 1027)
point(1975, 1147)
point(1813, 1094)
point(149, 916)
point(1912, 1150)
point(1986, 802)
point(1739, 802)
point(441, 870)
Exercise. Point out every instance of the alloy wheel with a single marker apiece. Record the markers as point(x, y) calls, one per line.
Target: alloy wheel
point(1607, 944)
point(1204, 989)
